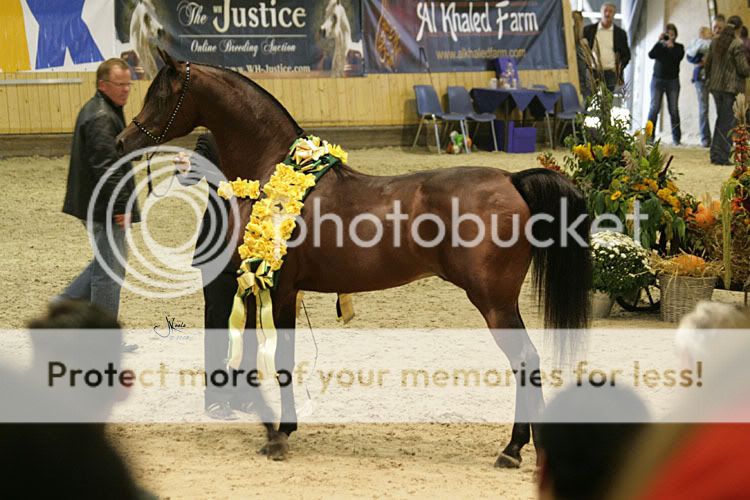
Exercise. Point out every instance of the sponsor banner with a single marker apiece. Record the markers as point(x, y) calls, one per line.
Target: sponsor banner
point(57, 35)
point(404, 36)
point(356, 375)
point(258, 36)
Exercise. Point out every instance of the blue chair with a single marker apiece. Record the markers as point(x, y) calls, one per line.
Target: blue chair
point(459, 102)
point(571, 106)
point(428, 107)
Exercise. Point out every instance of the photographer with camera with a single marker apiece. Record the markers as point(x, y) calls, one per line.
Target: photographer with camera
point(666, 80)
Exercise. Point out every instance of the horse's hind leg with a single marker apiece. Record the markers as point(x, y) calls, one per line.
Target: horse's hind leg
point(510, 335)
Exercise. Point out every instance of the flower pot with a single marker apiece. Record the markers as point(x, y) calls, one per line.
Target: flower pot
point(680, 294)
point(601, 304)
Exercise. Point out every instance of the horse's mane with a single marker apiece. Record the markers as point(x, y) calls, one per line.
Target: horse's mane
point(300, 131)
point(264, 92)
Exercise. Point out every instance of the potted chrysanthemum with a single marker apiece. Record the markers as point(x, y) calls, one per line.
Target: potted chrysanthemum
point(621, 269)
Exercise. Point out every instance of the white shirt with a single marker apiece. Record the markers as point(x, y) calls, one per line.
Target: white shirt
point(605, 39)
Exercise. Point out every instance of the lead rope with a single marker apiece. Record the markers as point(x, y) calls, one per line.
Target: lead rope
point(307, 408)
point(160, 139)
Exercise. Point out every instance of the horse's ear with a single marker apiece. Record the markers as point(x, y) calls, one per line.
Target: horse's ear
point(168, 60)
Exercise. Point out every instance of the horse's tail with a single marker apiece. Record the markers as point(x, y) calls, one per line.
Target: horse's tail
point(562, 269)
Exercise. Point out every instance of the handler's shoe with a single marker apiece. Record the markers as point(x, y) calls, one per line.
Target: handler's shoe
point(221, 411)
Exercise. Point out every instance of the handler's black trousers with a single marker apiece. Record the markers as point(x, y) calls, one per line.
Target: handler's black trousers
point(218, 296)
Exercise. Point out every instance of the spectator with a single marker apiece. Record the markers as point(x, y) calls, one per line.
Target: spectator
point(710, 457)
point(65, 459)
point(718, 25)
point(736, 21)
point(697, 329)
point(696, 54)
point(726, 69)
point(745, 42)
point(609, 43)
point(582, 440)
point(92, 158)
point(666, 79)
point(584, 56)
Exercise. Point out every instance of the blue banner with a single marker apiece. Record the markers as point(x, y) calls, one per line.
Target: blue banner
point(259, 36)
point(404, 36)
point(61, 30)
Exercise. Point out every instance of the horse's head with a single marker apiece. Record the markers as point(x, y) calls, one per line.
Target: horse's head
point(333, 15)
point(145, 21)
point(145, 33)
point(168, 111)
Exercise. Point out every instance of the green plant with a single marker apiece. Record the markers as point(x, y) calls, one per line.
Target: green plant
point(621, 266)
point(615, 169)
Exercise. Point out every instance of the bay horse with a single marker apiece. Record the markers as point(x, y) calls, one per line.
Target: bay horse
point(254, 132)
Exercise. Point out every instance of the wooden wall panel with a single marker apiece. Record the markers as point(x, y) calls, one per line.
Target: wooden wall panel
point(372, 100)
point(4, 113)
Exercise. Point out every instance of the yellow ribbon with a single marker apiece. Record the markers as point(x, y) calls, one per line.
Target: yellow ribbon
point(345, 308)
point(265, 331)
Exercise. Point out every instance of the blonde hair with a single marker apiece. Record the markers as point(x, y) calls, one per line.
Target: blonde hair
point(696, 330)
point(105, 68)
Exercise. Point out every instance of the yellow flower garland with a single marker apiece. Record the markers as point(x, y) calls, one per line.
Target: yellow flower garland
point(271, 224)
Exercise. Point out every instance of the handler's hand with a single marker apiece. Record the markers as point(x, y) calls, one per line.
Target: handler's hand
point(123, 220)
point(182, 162)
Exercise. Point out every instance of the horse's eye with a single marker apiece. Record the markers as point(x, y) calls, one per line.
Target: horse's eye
point(147, 20)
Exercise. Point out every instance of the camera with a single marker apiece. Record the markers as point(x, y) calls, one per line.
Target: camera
point(665, 37)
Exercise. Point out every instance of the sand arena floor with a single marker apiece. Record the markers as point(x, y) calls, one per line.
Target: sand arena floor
point(43, 249)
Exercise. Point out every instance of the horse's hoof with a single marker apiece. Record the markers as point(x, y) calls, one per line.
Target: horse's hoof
point(507, 462)
point(277, 447)
point(278, 451)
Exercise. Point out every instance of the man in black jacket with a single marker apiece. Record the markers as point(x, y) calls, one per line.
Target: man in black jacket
point(112, 210)
point(609, 44)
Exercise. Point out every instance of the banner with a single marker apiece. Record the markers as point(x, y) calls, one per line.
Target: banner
point(404, 36)
point(56, 35)
point(258, 36)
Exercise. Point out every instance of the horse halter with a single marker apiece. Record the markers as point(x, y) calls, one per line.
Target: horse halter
point(183, 92)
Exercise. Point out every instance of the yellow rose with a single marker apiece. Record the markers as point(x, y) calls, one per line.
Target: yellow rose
point(287, 227)
point(225, 190)
point(649, 128)
point(307, 151)
point(583, 152)
point(615, 195)
point(294, 207)
point(609, 150)
point(664, 194)
point(244, 252)
point(338, 152)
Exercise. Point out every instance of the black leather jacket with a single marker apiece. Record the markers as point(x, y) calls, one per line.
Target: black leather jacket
point(92, 154)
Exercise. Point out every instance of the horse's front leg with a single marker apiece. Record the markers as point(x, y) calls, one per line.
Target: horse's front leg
point(277, 447)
